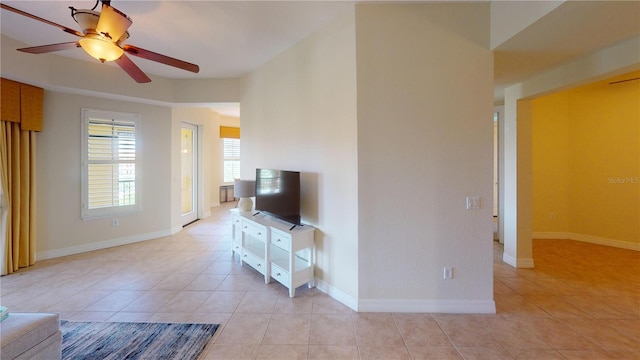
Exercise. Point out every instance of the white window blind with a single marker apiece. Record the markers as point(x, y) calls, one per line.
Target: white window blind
point(109, 168)
point(231, 153)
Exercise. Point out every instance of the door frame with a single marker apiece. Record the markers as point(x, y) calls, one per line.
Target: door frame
point(196, 213)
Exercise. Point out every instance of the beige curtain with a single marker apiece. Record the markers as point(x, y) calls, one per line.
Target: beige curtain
point(17, 157)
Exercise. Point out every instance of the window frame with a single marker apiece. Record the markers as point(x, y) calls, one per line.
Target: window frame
point(108, 117)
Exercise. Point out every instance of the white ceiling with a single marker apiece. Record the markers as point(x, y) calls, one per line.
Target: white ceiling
point(226, 39)
point(572, 30)
point(230, 38)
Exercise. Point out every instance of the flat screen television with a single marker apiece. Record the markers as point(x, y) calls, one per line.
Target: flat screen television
point(278, 194)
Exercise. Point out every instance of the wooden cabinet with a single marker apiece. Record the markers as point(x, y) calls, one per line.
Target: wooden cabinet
point(274, 248)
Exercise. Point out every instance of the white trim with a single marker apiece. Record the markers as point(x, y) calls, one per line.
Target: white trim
point(176, 229)
point(337, 294)
point(588, 239)
point(196, 171)
point(428, 306)
point(44, 255)
point(522, 263)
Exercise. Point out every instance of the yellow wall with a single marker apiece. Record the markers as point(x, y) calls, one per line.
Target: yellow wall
point(551, 163)
point(586, 162)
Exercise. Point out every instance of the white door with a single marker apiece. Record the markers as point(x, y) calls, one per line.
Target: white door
point(496, 118)
point(189, 177)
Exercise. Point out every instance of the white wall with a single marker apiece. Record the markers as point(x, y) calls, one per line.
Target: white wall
point(299, 113)
point(60, 229)
point(425, 134)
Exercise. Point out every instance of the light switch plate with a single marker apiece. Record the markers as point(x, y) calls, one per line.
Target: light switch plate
point(447, 273)
point(473, 202)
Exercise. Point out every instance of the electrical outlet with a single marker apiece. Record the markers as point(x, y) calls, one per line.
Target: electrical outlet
point(447, 273)
point(115, 222)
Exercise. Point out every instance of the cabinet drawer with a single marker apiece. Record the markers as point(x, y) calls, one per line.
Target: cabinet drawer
point(236, 246)
point(256, 231)
point(280, 275)
point(254, 261)
point(236, 220)
point(281, 239)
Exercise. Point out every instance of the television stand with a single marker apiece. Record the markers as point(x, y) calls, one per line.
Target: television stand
point(274, 249)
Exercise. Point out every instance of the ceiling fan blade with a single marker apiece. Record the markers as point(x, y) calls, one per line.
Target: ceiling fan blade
point(50, 48)
point(62, 27)
point(112, 23)
point(150, 55)
point(132, 69)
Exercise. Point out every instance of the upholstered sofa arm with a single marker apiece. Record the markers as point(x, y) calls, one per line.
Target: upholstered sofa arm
point(30, 336)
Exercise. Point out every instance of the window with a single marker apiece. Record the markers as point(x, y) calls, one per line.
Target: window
point(231, 153)
point(109, 180)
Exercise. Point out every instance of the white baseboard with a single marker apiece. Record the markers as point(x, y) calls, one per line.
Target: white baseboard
point(72, 250)
point(588, 239)
point(408, 306)
point(337, 294)
point(428, 306)
point(176, 229)
point(550, 235)
point(523, 263)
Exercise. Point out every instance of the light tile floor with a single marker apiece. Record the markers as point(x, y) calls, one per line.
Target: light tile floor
point(582, 301)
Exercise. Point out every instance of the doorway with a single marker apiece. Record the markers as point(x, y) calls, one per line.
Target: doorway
point(189, 173)
point(497, 169)
point(496, 117)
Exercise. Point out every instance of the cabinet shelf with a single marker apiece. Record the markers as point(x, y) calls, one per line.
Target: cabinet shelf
point(280, 258)
point(255, 247)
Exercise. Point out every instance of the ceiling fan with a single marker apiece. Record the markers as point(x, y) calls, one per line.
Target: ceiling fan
point(103, 37)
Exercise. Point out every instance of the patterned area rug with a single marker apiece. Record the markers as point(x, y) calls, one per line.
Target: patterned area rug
point(120, 340)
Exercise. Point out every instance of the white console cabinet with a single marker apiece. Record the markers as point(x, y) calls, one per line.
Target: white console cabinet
point(274, 248)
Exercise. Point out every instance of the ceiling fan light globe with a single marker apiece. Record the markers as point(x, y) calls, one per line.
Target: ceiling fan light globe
point(87, 19)
point(100, 48)
point(112, 23)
